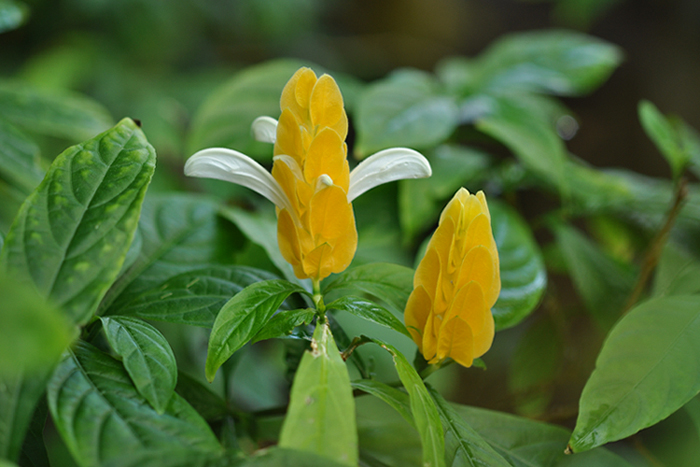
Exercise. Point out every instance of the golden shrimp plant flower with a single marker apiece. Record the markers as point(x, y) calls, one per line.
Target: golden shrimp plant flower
point(456, 284)
point(311, 183)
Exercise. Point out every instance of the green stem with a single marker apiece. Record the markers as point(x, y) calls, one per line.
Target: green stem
point(356, 342)
point(318, 299)
point(430, 369)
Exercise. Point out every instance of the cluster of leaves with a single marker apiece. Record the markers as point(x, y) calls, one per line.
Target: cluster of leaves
point(94, 275)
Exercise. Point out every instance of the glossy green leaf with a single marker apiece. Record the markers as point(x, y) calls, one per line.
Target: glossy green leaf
point(283, 323)
point(555, 62)
point(72, 233)
point(422, 200)
point(390, 283)
point(146, 356)
point(523, 276)
point(66, 115)
point(193, 297)
point(641, 374)
point(13, 14)
point(370, 311)
point(677, 272)
point(406, 109)
point(243, 317)
point(321, 415)
point(528, 443)
point(397, 399)
point(19, 158)
point(425, 413)
point(224, 119)
point(33, 333)
point(463, 445)
point(179, 233)
point(665, 137)
point(104, 421)
point(603, 282)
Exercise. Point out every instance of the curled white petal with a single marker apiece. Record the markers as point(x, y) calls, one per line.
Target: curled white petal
point(291, 163)
point(324, 181)
point(235, 167)
point(387, 166)
point(264, 129)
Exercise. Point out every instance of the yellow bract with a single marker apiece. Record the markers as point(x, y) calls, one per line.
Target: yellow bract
point(316, 233)
point(456, 284)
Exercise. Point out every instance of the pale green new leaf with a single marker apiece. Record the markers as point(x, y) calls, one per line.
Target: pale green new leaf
point(13, 14)
point(243, 317)
point(146, 356)
point(288, 457)
point(641, 374)
point(660, 130)
point(19, 158)
point(193, 297)
point(283, 323)
point(321, 415)
point(406, 109)
point(72, 233)
point(425, 413)
point(370, 311)
point(104, 421)
point(523, 276)
point(61, 114)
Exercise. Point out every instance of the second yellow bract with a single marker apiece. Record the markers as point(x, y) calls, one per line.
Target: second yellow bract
point(456, 284)
point(316, 233)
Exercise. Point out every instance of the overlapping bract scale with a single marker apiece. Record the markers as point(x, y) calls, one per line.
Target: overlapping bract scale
point(456, 284)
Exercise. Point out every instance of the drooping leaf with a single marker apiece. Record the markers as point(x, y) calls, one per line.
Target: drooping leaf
point(104, 421)
point(72, 233)
point(523, 276)
point(19, 158)
point(65, 115)
point(425, 413)
point(677, 272)
point(179, 233)
point(13, 14)
point(397, 399)
point(603, 282)
point(660, 130)
point(243, 317)
point(193, 297)
point(321, 415)
point(283, 323)
point(463, 445)
point(406, 109)
point(390, 283)
point(146, 356)
point(370, 311)
point(641, 374)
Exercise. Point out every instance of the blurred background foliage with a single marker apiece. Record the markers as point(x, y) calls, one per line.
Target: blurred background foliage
point(181, 66)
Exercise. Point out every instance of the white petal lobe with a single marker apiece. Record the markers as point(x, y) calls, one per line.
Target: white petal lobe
point(235, 167)
point(264, 129)
point(387, 166)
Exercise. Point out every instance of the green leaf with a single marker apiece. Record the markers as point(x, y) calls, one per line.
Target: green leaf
point(463, 445)
point(422, 200)
point(406, 109)
point(34, 451)
point(146, 356)
point(224, 119)
point(179, 233)
point(72, 234)
point(13, 14)
point(19, 158)
point(603, 282)
point(397, 399)
point(283, 323)
point(288, 457)
point(193, 297)
point(33, 333)
point(243, 317)
point(61, 114)
point(641, 374)
point(560, 62)
point(104, 421)
point(261, 229)
point(677, 272)
point(321, 415)
point(692, 408)
point(390, 283)
point(209, 405)
point(523, 276)
point(425, 413)
point(664, 136)
point(528, 443)
point(369, 311)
